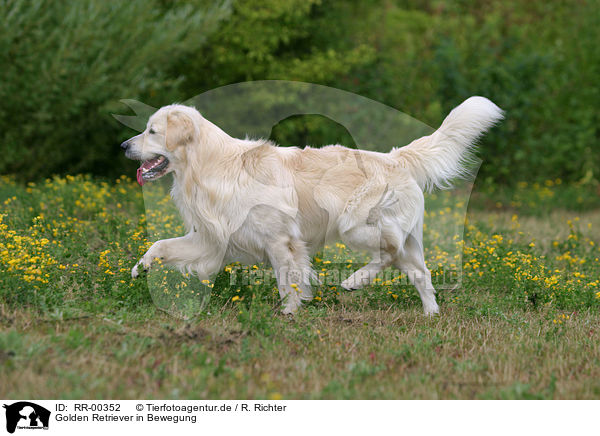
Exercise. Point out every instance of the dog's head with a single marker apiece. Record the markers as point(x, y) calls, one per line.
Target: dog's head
point(161, 147)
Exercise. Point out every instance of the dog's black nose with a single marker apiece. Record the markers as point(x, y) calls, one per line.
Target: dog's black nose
point(125, 145)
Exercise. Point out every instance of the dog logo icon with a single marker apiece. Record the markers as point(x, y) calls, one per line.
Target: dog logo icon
point(26, 415)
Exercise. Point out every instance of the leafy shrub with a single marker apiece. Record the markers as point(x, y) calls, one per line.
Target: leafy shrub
point(65, 66)
point(523, 55)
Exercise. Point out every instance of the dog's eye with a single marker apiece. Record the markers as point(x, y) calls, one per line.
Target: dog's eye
point(152, 132)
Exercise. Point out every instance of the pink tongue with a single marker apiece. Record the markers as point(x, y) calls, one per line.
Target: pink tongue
point(146, 165)
point(140, 179)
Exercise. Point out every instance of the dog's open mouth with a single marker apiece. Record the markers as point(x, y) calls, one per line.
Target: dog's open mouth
point(152, 169)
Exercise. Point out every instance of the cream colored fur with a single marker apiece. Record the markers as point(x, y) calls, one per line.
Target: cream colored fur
point(251, 201)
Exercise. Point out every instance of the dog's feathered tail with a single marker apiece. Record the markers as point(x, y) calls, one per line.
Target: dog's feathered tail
point(436, 159)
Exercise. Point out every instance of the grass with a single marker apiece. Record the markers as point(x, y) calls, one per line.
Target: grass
point(523, 324)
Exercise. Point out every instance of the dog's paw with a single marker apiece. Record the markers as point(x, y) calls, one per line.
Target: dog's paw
point(289, 311)
point(352, 283)
point(431, 310)
point(135, 271)
point(291, 308)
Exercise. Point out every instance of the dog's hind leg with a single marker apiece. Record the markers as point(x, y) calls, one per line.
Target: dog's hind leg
point(411, 261)
point(367, 273)
point(382, 240)
point(375, 221)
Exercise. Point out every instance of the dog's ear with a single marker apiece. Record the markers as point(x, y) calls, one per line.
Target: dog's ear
point(180, 129)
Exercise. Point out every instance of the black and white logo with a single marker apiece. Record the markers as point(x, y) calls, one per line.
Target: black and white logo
point(26, 415)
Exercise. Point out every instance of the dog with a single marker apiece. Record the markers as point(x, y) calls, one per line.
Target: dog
point(250, 201)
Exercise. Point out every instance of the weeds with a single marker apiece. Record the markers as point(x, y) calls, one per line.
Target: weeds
point(522, 324)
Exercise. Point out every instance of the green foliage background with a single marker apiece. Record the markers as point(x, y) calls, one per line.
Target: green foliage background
point(65, 66)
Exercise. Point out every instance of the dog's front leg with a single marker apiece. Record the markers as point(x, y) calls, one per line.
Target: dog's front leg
point(179, 252)
point(154, 252)
point(290, 262)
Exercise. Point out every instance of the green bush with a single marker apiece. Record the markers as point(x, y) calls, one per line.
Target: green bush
point(538, 60)
point(65, 65)
point(424, 58)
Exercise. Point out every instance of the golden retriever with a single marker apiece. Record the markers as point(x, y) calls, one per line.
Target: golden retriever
point(251, 201)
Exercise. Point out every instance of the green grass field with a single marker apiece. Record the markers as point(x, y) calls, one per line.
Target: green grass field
point(523, 324)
